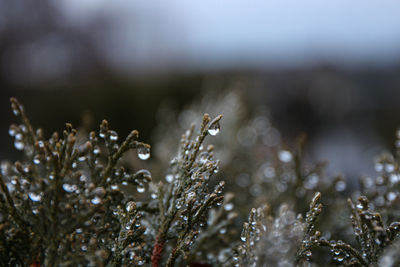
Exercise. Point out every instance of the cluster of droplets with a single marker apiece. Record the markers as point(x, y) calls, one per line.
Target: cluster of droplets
point(19, 133)
point(252, 231)
point(383, 190)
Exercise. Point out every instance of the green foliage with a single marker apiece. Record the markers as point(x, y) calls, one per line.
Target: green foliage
point(78, 198)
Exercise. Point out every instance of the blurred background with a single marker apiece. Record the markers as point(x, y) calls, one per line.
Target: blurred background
point(327, 69)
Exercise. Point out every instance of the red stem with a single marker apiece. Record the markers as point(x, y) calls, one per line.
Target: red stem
point(157, 252)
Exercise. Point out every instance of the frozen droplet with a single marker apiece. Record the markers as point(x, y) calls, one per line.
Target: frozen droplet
point(141, 189)
point(214, 129)
point(19, 144)
point(113, 136)
point(35, 197)
point(36, 160)
point(96, 200)
point(340, 186)
point(169, 178)
point(143, 153)
point(228, 206)
point(102, 134)
point(285, 156)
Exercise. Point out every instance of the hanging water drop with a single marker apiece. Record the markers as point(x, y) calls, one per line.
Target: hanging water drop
point(141, 189)
point(143, 153)
point(214, 129)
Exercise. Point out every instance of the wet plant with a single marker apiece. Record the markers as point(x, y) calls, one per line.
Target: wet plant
point(79, 198)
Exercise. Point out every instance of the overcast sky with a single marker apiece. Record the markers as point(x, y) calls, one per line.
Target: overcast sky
point(219, 33)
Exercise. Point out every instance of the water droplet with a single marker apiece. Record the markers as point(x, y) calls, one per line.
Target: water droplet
point(222, 231)
point(16, 112)
point(96, 200)
point(140, 262)
point(36, 160)
point(143, 173)
point(394, 178)
point(96, 150)
point(308, 253)
point(141, 189)
point(130, 206)
point(12, 131)
point(114, 187)
point(228, 206)
point(82, 158)
point(391, 196)
point(214, 129)
point(143, 153)
point(169, 178)
point(102, 134)
point(311, 181)
point(78, 230)
point(285, 156)
point(340, 186)
point(113, 136)
point(35, 197)
point(191, 195)
point(153, 195)
point(378, 167)
point(19, 145)
point(389, 167)
point(68, 188)
point(243, 238)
